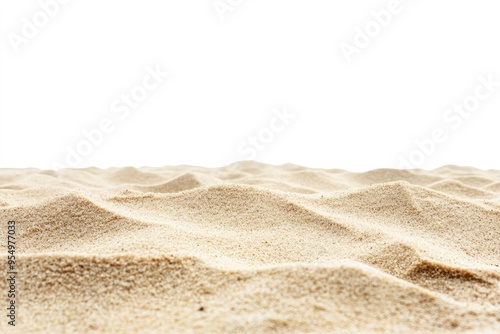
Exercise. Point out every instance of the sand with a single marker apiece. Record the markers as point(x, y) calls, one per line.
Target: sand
point(253, 248)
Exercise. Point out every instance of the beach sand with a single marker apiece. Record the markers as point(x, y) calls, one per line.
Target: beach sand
point(252, 248)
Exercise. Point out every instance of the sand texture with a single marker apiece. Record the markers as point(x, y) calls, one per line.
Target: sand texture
point(253, 248)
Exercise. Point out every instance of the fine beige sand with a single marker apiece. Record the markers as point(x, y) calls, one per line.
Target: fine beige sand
point(253, 248)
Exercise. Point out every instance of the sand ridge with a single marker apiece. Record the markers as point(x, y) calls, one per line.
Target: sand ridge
point(255, 248)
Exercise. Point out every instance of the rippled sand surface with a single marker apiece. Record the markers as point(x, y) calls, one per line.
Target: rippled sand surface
point(253, 248)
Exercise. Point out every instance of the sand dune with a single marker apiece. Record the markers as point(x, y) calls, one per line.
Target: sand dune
point(254, 248)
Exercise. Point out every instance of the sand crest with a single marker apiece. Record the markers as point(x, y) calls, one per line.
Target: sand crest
point(253, 248)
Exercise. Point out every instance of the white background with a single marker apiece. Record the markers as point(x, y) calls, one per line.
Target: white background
point(226, 76)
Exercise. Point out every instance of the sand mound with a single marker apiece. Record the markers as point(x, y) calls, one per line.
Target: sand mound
point(254, 248)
